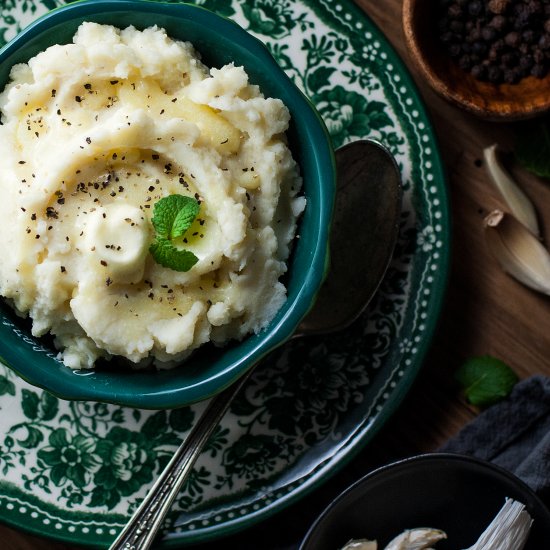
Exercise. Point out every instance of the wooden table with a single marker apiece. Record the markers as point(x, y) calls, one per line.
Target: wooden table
point(485, 312)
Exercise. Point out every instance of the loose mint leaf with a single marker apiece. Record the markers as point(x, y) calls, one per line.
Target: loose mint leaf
point(532, 147)
point(167, 255)
point(173, 215)
point(486, 380)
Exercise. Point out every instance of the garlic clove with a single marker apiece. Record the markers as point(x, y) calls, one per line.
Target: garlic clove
point(518, 202)
point(416, 539)
point(361, 544)
point(518, 251)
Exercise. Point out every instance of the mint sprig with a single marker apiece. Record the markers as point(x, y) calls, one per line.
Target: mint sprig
point(486, 380)
point(172, 217)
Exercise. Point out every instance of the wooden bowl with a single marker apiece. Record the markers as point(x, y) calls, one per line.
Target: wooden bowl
point(498, 102)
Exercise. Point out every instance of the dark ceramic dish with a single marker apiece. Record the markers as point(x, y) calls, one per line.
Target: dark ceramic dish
point(458, 494)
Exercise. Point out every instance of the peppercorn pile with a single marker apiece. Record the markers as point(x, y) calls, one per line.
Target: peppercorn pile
point(498, 41)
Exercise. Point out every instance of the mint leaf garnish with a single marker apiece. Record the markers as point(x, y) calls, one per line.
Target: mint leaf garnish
point(167, 255)
point(172, 217)
point(186, 216)
point(486, 380)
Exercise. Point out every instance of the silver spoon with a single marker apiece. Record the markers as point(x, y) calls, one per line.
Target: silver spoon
point(363, 235)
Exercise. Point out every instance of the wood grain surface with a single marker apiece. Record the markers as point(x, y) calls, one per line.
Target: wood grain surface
point(485, 312)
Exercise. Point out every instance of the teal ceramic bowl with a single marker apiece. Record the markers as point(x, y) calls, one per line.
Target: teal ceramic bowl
point(209, 370)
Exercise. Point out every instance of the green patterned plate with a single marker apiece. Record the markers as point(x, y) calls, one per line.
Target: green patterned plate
point(73, 471)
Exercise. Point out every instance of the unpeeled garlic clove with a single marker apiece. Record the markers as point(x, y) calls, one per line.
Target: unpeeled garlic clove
point(361, 544)
point(518, 251)
point(518, 202)
point(416, 539)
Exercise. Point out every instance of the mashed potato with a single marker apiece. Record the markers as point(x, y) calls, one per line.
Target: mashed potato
point(94, 134)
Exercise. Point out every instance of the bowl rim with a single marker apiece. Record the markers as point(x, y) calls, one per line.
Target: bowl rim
point(291, 313)
point(437, 457)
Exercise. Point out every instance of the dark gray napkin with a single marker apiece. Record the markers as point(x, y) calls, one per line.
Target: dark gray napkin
point(514, 434)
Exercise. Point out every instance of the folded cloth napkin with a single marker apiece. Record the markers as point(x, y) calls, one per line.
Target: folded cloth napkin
point(514, 434)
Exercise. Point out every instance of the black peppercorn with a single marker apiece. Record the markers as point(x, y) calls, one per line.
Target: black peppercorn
point(538, 56)
point(524, 48)
point(512, 39)
point(454, 11)
point(534, 7)
point(521, 22)
point(498, 22)
point(475, 33)
point(495, 50)
point(528, 36)
point(519, 9)
point(498, 6)
point(526, 62)
point(488, 33)
point(479, 48)
point(475, 7)
point(479, 71)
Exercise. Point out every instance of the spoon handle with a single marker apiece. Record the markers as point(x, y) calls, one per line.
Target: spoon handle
point(140, 531)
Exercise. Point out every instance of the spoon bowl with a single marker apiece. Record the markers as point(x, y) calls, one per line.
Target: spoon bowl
point(369, 186)
point(358, 258)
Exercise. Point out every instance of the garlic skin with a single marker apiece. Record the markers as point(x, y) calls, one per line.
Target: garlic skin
point(518, 202)
point(508, 530)
point(518, 251)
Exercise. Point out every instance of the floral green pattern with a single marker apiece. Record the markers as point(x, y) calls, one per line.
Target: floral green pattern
point(63, 462)
point(128, 462)
point(348, 114)
point(69, 459)
point(273, 18)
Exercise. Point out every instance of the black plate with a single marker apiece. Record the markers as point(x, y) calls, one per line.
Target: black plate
point(455, 493)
